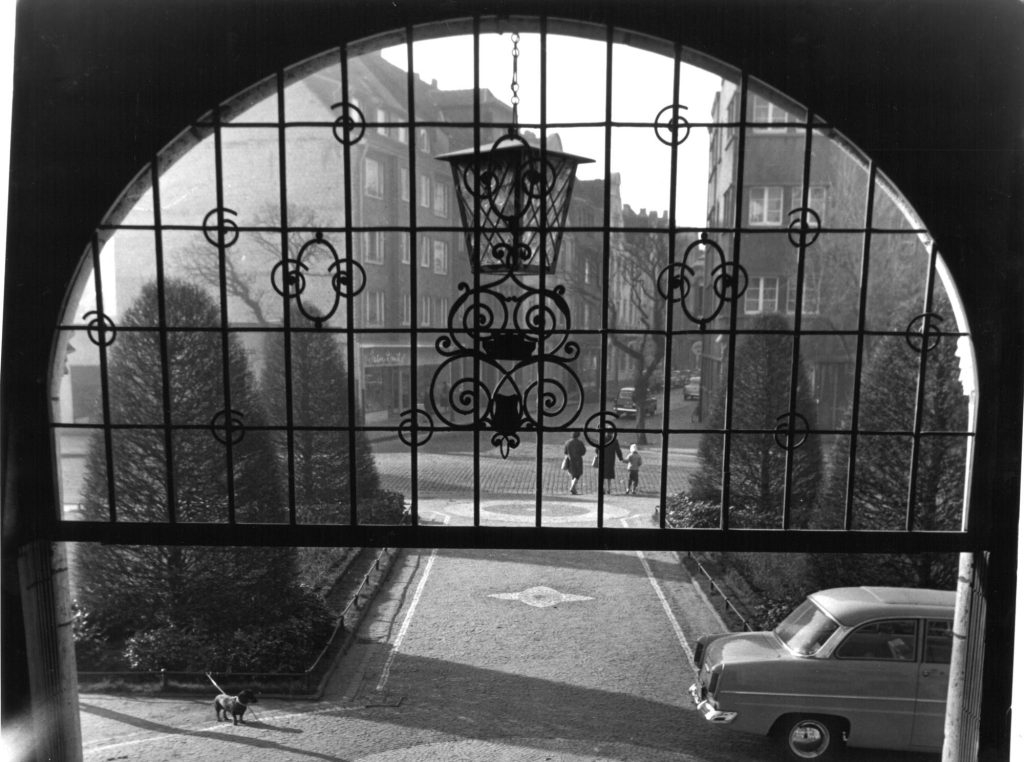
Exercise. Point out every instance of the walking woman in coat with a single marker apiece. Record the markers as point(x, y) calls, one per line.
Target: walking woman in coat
point(610, 453)
point(574, 451)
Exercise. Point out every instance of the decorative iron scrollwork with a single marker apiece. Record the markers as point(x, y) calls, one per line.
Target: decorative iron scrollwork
point(728, 280)
point(101, 329)
point(791, 424)
point(347, 278)
point(517, 335)
point(804, 226)
point(219, 229)
point(668, 128)
point(923, 332)
point(600, 429)
point(350, 125)
point(417, 427)
point(228, 425)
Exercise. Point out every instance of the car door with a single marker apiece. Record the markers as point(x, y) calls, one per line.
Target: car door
point(932, 685)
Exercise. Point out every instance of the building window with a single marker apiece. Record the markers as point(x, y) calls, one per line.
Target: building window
point(440, 200)
point(441, 257)
point(406, 308)
point(424, 191)
point(767, 116)
point(403, 248)
point(765, 205)
point(812, 295)
point(375, 308)
point(762, 295)
point(425, 251)
point(374, 181)
point(403, 180)
point(373, 247)
point(443, 308)
point(382, 119)
point(817, 196)
point(424, 310)
point(423, 140)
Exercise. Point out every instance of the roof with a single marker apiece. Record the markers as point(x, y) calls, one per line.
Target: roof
point(850, 605)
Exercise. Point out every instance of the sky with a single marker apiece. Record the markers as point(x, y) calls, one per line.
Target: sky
point(641, 88)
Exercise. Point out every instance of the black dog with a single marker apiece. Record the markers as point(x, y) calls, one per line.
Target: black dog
point(234, 706)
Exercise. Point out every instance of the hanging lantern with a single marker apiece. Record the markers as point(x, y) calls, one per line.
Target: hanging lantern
point(522, 193)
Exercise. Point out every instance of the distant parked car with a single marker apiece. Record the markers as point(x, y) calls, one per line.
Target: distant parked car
point(691, 389)
point(857, 666)
point(679, 378)
point(625, 402)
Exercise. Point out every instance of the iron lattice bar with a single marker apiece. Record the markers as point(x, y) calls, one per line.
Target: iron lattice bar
point(286, 316)
point(165, 380)
point(859, 357)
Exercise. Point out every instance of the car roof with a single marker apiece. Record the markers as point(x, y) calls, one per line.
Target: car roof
point(851, 605)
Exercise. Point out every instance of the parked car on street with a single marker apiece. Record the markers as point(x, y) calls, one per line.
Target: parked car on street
point(691, 389)
point(625, 402)
point(856, 666)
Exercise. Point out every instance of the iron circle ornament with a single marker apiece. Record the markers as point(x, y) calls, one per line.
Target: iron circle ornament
point(675, 278)
point(800, 232)
point(793, 424)
point(923, 332)
point(101, 329)
point(218, 229)
point(228, 425)
point(670, 123)
point(600, 429)
point(729, 281)
point(416, 428)
point(351, 122)
point(288, 278)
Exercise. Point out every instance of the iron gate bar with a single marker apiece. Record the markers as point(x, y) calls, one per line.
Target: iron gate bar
point(733, 311)
point(794, 374)
point(474, 272)
point(350, 392)
point(865, 270)
point(165, 373)
point(286, 316)
point(605, 272)
point(414, 256)
point(919, 403)
point(101, 320)
point(225, 349)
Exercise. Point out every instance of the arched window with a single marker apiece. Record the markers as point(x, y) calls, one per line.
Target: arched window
point(304, 313)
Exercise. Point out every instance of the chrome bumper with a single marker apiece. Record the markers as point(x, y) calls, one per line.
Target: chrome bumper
point(706, 708)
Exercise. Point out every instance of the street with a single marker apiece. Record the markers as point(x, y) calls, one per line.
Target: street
point(478, 655)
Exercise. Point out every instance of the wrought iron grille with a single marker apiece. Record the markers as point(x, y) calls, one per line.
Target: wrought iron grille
point(285, 334)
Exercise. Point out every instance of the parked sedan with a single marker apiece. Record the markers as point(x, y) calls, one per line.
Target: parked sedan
point(856, 666)
point(691, 389)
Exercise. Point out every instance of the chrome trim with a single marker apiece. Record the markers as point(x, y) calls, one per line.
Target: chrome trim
point(706, 708)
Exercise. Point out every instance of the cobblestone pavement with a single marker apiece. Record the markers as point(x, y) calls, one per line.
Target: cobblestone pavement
point(445, 471)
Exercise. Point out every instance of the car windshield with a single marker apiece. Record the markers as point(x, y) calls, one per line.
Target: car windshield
point(805, 630)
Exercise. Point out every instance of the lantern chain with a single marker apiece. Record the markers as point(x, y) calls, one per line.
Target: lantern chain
point(515, 79)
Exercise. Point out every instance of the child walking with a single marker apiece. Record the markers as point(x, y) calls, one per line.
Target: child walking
point(633, 463)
